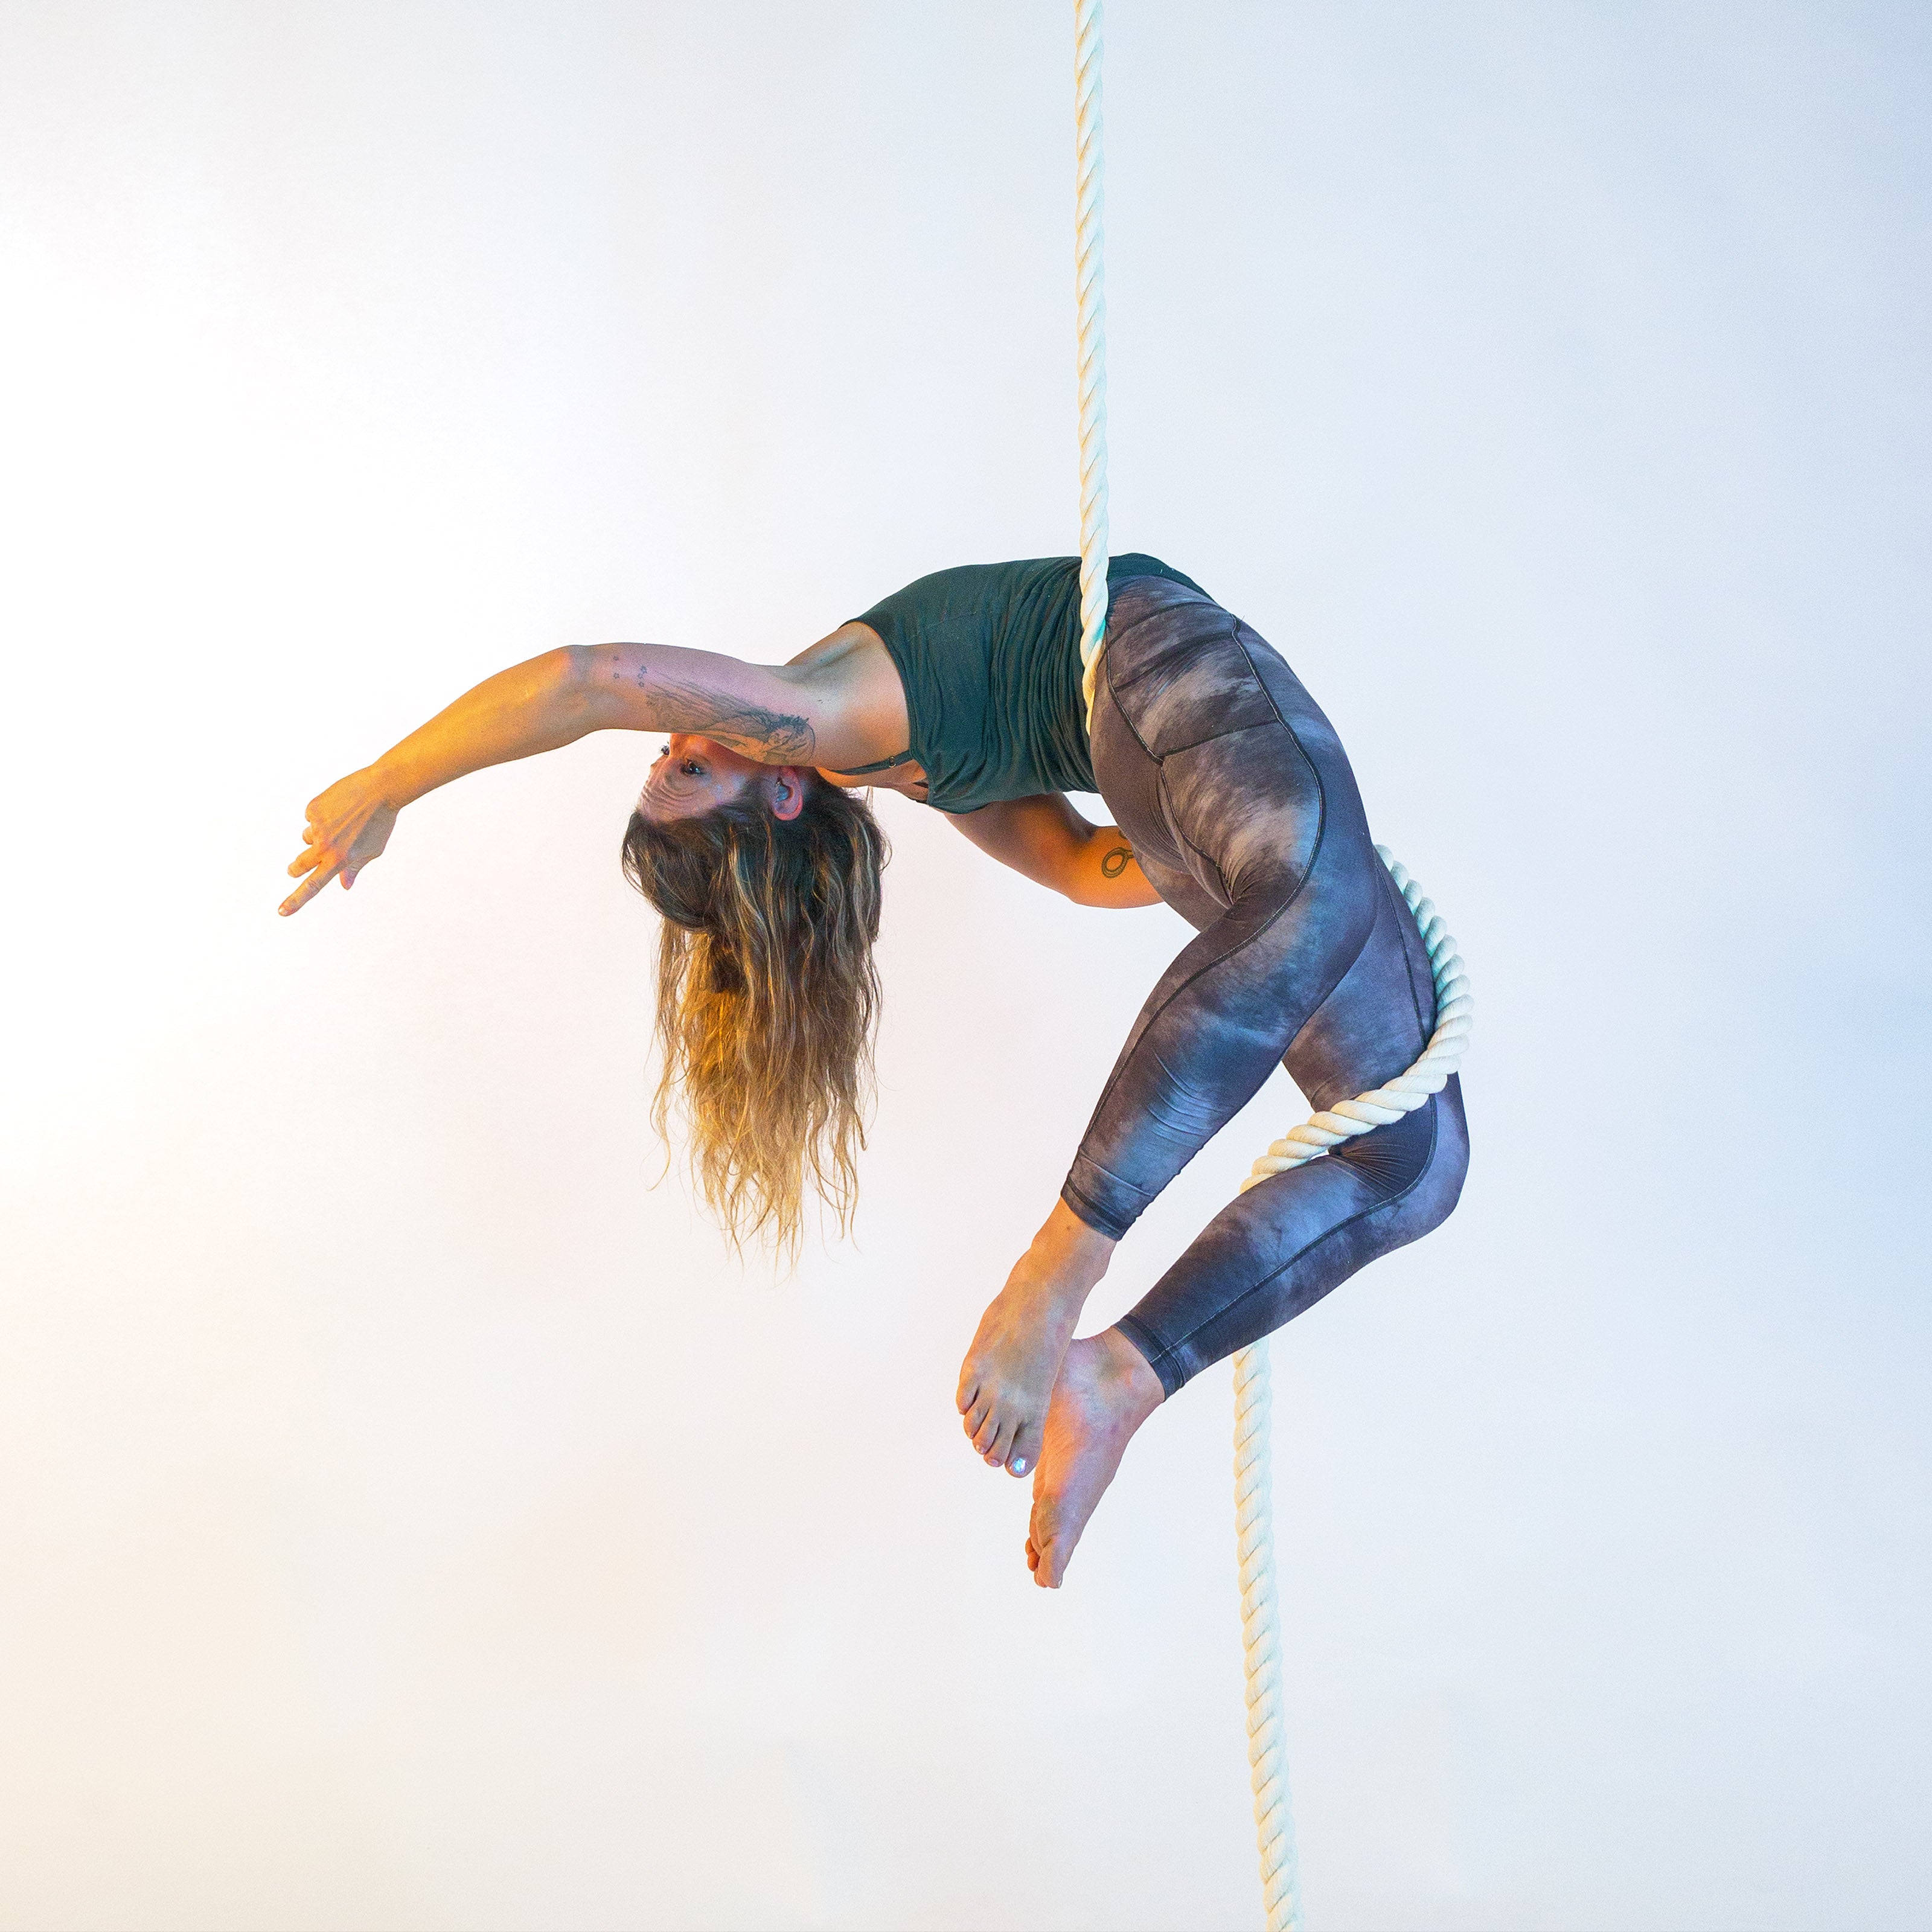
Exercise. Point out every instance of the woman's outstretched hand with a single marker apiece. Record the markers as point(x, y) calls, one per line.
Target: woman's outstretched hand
point(348, 825)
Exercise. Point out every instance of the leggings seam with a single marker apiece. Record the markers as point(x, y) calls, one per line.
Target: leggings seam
point(1096, 1218)
point(1254, 671)
point(1148, 1345)
point(1232, 731)
point(1120, 710)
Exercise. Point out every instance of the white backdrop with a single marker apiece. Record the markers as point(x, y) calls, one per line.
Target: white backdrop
point(412, 1519)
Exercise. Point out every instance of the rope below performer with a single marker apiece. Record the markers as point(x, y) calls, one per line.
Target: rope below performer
point(1254, 1498)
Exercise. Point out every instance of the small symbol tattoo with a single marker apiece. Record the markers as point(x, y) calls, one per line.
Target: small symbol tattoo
point(1115, 862)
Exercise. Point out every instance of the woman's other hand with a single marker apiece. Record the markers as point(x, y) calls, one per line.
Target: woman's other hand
point(348, 825)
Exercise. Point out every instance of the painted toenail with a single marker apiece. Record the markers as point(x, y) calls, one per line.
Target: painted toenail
point(1019, 1466)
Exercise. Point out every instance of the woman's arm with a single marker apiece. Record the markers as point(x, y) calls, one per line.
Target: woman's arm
point(777, 714)
point(1047, 840)
point(772, 713)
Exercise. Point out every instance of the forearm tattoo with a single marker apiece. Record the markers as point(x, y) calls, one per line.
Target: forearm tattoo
point(1116, 862)
point(780, 737)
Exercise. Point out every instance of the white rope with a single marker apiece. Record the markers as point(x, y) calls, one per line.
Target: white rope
point(1254, 1507)
point(1261, 1640)
point(1090, 289)
point(1254, 1503)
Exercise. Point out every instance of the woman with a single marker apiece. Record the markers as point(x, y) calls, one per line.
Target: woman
point(1236, 805)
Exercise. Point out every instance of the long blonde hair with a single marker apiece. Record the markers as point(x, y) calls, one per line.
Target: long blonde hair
point(767, 1000)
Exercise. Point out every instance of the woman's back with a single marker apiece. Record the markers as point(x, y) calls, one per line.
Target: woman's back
point(989, 656)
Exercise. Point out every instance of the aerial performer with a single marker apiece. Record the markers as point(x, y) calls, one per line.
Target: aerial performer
point(1234, 804)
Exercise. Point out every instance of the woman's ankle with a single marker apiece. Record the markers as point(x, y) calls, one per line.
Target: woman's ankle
point(1068, 1250)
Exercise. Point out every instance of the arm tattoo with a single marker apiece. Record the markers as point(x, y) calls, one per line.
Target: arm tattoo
point(777, 736)
point(1116, 862)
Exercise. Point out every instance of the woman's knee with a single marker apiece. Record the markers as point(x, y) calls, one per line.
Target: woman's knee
point(1417, 1164)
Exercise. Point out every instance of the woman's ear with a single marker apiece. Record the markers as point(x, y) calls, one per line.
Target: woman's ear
point(784, 791)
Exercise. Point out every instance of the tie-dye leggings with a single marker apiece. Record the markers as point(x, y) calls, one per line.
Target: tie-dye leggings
point(1237, 797)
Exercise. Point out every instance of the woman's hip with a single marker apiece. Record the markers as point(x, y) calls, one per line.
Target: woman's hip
point(1217, 763)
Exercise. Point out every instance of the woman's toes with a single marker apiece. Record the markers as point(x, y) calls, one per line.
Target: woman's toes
point(986, 1434)
point(1003, 1445)
point(1025, 1450)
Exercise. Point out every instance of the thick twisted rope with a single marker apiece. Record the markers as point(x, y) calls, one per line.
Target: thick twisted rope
point(1254, 1485)
point(1090, 290)
point(1260, 1634)
point(1254, 1503)
point(1261, 1640)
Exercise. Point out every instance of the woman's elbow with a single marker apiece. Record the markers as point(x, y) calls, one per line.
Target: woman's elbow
point(575, 667)
point(582, 682)
point(1111, 895)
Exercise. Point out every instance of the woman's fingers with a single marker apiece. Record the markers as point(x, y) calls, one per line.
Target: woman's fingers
point(326, 854)
point(307, 889)
point(321, 862)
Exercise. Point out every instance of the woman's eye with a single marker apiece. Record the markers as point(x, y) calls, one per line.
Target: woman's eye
point(692, 768)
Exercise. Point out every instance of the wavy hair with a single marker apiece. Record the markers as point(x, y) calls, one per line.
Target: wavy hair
point(767, 1000)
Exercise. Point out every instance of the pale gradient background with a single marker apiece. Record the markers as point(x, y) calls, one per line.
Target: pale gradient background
point(410, 1520)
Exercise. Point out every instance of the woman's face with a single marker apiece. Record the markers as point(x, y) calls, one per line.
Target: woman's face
point(694, 775)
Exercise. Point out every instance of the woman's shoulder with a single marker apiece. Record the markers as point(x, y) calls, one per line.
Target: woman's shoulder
point(855, 688)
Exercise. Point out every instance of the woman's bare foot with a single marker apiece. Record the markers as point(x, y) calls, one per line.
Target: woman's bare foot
point(1006, 1380)
point(1105, 1391)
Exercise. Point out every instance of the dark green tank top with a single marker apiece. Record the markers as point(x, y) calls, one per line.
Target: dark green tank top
point(989, 655)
